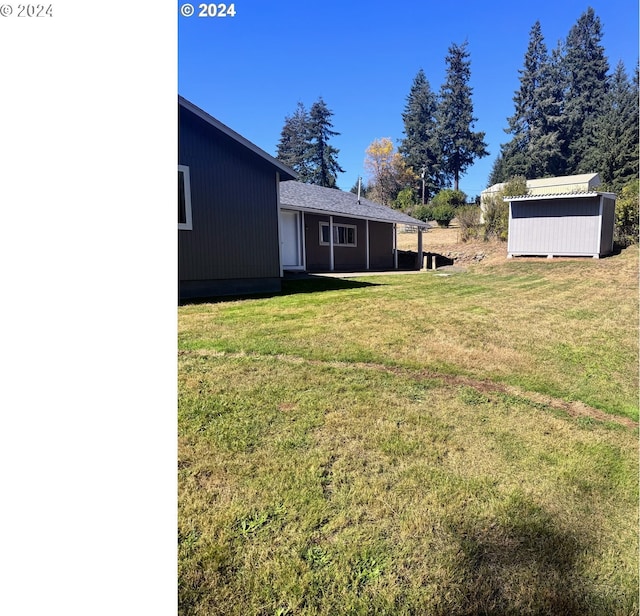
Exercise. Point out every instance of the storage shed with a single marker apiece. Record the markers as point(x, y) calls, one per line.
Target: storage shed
point(578, 224)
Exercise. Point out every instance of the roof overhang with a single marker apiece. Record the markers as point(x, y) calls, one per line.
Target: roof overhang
point(323, 212)
point(286, 173)
point(579, 195)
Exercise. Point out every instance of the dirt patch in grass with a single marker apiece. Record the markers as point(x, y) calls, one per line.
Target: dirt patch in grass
point(572, 408)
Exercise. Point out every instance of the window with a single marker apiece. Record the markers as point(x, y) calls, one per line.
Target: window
point(343, 235)
point(184, 199)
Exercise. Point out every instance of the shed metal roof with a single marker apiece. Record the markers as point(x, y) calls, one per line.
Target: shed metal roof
point(561, 195)
point(317, 199)
point(285, 172)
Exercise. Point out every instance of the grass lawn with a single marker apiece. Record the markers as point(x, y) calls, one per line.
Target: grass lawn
point(418, 444)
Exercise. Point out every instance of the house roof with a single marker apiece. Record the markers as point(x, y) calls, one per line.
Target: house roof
point(317, 199)
point(285, 172)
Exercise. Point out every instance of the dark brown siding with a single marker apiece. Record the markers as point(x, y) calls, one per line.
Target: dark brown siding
point(234, 210)
point(348, 258)
point(317, 256)
point(381, 240)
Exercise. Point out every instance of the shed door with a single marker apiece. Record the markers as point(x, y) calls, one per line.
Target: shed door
point(291, 245)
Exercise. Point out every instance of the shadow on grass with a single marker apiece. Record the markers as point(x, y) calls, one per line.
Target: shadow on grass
point(304, 283)
point(521, 562)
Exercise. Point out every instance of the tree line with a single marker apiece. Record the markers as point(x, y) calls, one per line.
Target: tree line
point(571, 115)
point(438, 147)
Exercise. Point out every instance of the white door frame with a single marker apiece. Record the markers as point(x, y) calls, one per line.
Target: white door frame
point(299, 249)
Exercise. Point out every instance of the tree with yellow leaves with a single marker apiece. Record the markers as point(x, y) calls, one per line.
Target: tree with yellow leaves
point(388, 173)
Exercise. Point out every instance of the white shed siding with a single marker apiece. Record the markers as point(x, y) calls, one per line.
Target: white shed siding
point(558, 227)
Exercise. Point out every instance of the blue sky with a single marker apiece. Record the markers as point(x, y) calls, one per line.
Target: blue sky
point(249, 71)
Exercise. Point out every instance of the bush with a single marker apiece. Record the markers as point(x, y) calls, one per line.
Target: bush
point(496, 218)
point(496, 210)
point(443, 214)
point(515, 187)
point(469, 220)
point(452, 198)
point(443, 207)
point(421, 212)
point(405, 200)
point(626, 230)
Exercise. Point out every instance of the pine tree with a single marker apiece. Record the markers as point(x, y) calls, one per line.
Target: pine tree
point(321, 156)
point(615, 134)
point(460, 146)
point(586, 68)
point(546, 134)
point(524, 119)
point(292, 147)
point(497, 174)
point(419, 147)
point(535, 148)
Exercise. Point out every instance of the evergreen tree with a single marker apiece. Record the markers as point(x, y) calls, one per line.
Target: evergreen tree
point(419, 147)
point(364, 189)
point(497, 174)
point(535, 148)
point(321, 156)
point(537, 115)
point(524, 119)
point(586, 68)
point(615, 134)
point(547, 140)
point(293, 144)
point(460, 146)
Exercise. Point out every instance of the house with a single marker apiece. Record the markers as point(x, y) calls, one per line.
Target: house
point(228, 209)
point(243, 220)
point(562, 216)
point(325, 229)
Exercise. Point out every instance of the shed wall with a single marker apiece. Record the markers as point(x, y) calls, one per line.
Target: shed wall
point(562, 227)
point(234, 203)
point(608, 224)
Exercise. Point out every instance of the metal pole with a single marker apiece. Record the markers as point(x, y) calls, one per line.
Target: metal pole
point(331, 258)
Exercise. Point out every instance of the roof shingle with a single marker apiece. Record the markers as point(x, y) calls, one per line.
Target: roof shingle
point(310, 197)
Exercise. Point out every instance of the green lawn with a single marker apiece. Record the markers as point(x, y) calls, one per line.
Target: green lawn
point(417, 444)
